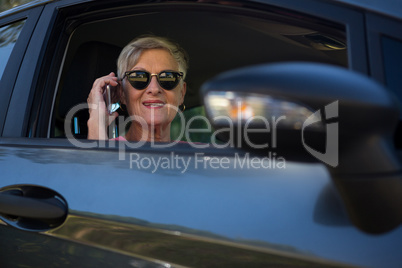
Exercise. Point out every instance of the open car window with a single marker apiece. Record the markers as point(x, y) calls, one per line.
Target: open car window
point(220, 43)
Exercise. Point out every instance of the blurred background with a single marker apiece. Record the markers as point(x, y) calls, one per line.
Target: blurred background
point(7, 4)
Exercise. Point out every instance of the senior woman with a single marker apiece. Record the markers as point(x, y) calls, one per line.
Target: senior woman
point(150, 83)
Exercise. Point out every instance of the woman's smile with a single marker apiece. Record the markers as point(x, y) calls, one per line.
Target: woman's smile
point(154, 104)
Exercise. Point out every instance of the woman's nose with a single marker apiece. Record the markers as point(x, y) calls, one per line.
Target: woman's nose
point(154, 87)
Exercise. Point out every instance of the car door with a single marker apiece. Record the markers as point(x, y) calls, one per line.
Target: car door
point(116, 204)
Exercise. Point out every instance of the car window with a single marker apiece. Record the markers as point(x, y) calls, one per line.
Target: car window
point(392, 53)
point(194, 120)
point(250, 39)
point(8, 37)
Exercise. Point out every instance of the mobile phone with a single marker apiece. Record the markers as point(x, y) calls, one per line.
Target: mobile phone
point(107, 96)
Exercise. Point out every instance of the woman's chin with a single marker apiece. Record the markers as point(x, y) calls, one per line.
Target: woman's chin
point(157, 120)
point(155, 117)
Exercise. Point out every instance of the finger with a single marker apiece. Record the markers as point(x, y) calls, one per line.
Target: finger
point(112, 79)
point(101, 82)
point(96, 94)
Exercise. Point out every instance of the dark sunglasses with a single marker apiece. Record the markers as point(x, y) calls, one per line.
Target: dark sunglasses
point(140, 79)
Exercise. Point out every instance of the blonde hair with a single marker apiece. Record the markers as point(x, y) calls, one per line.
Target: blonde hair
point(132, 51)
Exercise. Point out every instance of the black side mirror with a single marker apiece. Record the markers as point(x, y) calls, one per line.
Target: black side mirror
point(318, 112)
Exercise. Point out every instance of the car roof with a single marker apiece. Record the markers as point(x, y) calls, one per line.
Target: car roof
point(392, 8)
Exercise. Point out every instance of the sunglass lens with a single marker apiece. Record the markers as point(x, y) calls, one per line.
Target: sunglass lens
point(168, 80)
point(139, 80)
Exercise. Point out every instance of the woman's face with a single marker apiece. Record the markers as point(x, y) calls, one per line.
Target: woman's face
point(154, 104)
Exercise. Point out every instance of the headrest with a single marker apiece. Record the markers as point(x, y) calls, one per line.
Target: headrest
point(91, 61)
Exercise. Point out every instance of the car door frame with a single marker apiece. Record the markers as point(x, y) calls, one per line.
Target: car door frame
point(378, 26)
point(9, 76)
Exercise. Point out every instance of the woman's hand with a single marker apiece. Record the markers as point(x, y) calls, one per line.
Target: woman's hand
point(99, 118)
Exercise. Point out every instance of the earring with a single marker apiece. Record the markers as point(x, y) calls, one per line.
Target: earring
point(183, 107)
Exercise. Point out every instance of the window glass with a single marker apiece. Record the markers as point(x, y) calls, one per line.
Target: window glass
point(392, 56)
point(392, 52)
point(194, 119)
point(90, 54)
point(8, 37)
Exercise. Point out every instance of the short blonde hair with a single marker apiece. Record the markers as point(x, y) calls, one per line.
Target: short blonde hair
point(132, 51)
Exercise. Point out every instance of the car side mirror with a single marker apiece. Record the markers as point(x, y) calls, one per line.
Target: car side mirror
point(317, 112)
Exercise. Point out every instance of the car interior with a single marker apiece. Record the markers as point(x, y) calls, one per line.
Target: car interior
point(216, 41)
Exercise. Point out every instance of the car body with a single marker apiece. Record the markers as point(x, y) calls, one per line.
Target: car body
point(69, 202)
